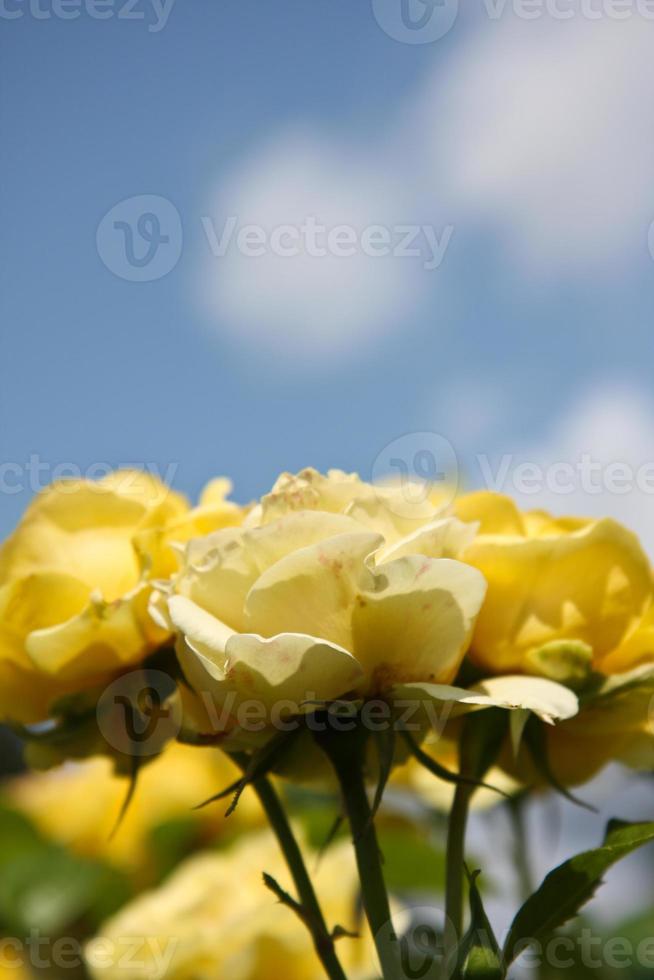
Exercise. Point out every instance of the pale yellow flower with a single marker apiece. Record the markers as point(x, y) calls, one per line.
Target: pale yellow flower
point(78, 804)
point(333, 592)
point(74, 585)
point(215, 918)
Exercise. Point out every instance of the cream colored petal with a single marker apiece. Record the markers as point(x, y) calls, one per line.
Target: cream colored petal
point(313, 590)
point(311, 490)
point(221, 568)
point(289, 666)
point(200, 647)
point(443, 538)
point(416, 619)
point(547, 699)
point(392, 512)
point(201, 630)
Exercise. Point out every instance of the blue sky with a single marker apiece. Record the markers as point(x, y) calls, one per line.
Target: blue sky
point(530, 140)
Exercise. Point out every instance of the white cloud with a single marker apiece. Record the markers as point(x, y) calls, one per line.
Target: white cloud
point(315, 305)
point(531, 138)
point(614, 428)
point(537, 129)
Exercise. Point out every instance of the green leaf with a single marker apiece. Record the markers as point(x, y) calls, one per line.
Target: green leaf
point(567, 888)
point(479, 953)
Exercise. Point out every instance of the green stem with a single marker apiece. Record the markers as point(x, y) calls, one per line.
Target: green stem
point(516, 807)
point(346, 755)
point(455, 857)
point(322, 938)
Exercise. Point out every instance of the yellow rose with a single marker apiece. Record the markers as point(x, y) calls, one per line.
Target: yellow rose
point(168, 788)
point(215, 918)
point(74, 585)
point(335, 590)
point(569, 598)
point(552, 580)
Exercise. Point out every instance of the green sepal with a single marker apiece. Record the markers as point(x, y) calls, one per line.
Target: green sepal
point(479, 954)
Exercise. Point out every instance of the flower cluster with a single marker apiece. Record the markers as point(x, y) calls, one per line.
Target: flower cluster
point(333, 628)
point(331, 589)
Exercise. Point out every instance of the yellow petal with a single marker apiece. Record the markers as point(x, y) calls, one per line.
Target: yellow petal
point(85, 529)
point(221, 569)
point(25, 694)
point(588, 585)
point(495, 513)
point(636, 649)
point(39, 601)
point(101, 639)
point(415, 620)
point(313, 590)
